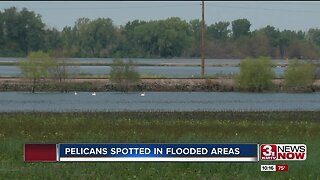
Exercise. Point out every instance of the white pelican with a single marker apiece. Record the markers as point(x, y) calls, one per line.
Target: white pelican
point(143, 94)
point(93, 94)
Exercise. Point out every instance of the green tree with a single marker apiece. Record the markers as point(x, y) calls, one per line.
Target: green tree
point(147, 36)
point(259, 45)
point(104, 35)
point(31, 31)
point(287, 38)
point(240, 27)
point(256, 74)
point(53, 40)
point(195, 26)
point(283, 45)
point(70, 41)
point(175, 37)
point(10, 30)
point(299, 74)
point(84, 41)
point(124, 74)
point(36, 66)
point(165, 38)
point(97, 38)
point(313, 36)
point(272, 34)
point(129, 46)
point(219, 31)
point(2, 40)
point(22, 31)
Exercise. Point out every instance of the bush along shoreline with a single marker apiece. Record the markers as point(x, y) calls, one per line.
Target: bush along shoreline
point(42, 73)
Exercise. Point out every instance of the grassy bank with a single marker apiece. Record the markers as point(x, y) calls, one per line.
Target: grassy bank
point(197, 127)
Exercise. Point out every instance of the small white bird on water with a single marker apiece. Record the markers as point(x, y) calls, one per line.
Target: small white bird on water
point(93, 94)
point(143, 94)
point(75, 93)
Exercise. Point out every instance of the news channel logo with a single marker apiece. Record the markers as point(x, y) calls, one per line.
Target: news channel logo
point(283, 152)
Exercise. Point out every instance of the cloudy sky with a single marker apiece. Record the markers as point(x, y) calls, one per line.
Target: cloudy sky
point(282, 15)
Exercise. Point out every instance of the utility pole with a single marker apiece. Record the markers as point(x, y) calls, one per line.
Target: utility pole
point(202, 41)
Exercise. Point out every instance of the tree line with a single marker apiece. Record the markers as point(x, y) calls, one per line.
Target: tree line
point(23, 31)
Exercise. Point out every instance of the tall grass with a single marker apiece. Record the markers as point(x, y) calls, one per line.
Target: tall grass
point(189, 127)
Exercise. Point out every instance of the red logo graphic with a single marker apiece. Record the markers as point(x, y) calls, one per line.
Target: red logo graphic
point(283, 152)
point(268, 152)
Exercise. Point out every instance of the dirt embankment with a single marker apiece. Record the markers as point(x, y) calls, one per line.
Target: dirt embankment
point(159, 84)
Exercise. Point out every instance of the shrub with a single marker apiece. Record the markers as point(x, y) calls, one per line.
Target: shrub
point(255, 74)
point(124, 74)
point(299, 74)
point(36, 66)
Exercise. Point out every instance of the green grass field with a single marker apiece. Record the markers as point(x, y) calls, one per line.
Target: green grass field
point(198, 127)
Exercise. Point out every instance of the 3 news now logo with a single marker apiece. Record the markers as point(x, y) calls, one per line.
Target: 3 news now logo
point(283, 152)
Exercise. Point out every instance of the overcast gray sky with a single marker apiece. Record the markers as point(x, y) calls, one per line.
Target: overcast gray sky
point(283, 15)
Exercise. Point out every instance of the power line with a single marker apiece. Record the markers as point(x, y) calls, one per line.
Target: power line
point(202, 40)
point(304, 3)
point(174, 5)
point(266, 9)
point(104, 8)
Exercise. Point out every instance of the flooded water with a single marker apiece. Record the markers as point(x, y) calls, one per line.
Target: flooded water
point(152, 60)
point(158, 101)
point(11, 71)
point(160, 70)
point(165, 71)
point(173, 71)
point(195, 61)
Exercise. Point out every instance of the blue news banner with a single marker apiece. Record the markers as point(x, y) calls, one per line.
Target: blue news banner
point(158, 152)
